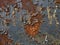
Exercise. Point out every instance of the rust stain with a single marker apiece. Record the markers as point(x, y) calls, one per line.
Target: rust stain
point(28, 5)
point(4, 40)
point(32, 30)
point(3, 3)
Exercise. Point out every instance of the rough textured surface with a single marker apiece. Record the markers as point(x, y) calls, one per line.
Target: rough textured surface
point(33, 28)
point(3, 3)
point(27, 22)
point(4, 40)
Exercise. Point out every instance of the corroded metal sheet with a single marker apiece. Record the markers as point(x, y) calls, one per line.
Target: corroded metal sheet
point(29, 22)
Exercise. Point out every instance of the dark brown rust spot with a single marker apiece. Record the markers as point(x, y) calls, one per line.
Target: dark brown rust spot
point(4, 40)
point(28, 5)
point(3, 3)
point(57, 1)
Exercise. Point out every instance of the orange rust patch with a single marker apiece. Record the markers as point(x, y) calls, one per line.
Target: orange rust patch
point(32, 30)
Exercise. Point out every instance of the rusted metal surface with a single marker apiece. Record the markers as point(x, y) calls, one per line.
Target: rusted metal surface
point(25, 24)
point(3, 3)
point(28, 5)
point(33, 29)
point(4, 40)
